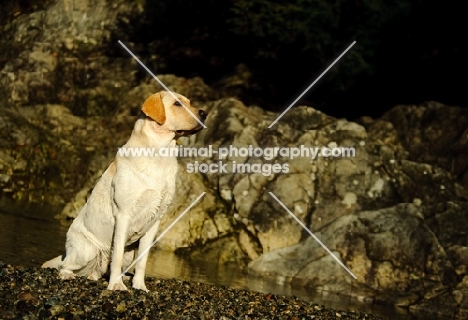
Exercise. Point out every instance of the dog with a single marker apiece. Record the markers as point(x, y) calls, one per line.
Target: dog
point(125, 207)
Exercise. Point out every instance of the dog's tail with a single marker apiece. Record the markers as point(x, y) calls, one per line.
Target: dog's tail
point(54, 263)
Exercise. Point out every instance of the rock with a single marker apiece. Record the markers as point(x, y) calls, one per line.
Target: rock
point(423, 131)
point(459, 257)
point(361, 207)
point(31, 162)
point(391, 251)
point(48, 44)
point(248, 245)
point(4, 179)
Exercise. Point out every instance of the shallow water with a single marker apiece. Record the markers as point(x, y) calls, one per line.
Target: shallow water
point(30, 235)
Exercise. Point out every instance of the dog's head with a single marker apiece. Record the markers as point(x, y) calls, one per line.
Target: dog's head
point(174, 112)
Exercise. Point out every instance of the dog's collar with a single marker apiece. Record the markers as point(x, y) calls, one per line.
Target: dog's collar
point(177, 135)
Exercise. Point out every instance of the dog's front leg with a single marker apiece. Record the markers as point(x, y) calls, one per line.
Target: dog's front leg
point(145, 243)
point(118, 250)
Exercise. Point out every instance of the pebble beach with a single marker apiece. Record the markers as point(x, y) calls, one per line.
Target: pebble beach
point(34, 293)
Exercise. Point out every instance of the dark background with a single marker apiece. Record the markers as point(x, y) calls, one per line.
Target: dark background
point(407, 52)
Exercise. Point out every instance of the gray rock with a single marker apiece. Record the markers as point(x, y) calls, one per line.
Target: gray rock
point(431, 133)
point(388, 216)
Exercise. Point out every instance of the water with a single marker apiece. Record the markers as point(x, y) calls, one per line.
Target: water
point(30, 235)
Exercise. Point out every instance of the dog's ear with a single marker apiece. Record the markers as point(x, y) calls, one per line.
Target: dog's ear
point(154, 108)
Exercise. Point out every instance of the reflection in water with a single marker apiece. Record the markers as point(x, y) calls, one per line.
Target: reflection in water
point(28, 238)
point(163, 264)
point(32, 236)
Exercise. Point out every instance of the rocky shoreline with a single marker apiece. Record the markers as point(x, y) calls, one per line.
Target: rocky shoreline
point(34, 293)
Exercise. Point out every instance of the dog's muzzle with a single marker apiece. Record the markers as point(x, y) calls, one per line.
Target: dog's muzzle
point(185, 133)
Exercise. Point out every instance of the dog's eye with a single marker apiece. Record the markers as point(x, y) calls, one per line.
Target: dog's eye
point(177, 103)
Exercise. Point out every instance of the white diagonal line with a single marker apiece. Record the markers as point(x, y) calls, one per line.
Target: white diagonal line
point(162, 234)
point(313, 235)
point(162, 84)
point(308, 88)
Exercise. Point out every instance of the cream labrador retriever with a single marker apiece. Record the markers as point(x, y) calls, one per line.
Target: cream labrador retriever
point(124, 209)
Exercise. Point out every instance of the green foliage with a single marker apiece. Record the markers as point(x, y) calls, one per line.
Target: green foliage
point(316, 29)
point(284, 22)
point(286, 44)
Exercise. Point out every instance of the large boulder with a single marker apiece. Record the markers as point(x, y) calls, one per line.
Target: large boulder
point(397, 222)
point(69, 94)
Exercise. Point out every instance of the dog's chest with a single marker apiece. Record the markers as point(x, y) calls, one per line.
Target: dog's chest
point(148, 195)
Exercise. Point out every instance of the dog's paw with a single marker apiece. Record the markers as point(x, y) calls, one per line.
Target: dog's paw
point(66, 274)
point(140, 286)
point(93, 276)
point(117, 286)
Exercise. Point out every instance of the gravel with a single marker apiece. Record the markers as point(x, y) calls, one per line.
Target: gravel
point(34, 293)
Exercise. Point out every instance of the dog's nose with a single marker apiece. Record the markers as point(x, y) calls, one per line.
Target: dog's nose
point(202, 114)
